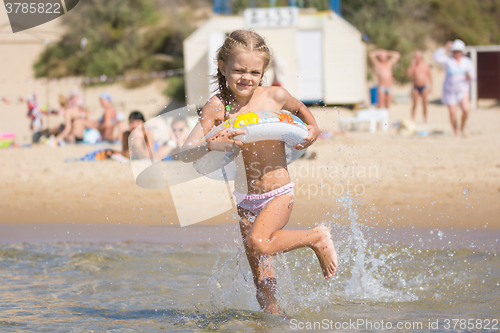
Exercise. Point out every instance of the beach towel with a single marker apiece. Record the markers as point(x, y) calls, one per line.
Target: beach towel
point(97, 155)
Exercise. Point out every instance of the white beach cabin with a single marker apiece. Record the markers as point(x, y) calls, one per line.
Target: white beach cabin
point(319, 56)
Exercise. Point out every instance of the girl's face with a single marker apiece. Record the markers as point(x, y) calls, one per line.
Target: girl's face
point(243, 73)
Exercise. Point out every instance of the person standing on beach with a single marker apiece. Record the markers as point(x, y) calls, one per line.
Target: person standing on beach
point(459, 73)
point(420, 74)
point(383, 61)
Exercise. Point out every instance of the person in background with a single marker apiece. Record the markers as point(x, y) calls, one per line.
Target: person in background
point(383, 61)
point(180, 133)
point(35, 114)
point(75, 99)
point(75, 122)
point(420, 74)
point(108, 121)
point(143, 140)
point(459, 73)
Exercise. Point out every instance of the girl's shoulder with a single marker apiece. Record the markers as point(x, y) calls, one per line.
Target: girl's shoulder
point(278, 94)
point(213, 108)
point(213, 104)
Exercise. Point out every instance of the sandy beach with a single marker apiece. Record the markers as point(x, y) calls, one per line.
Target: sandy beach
point(400, 181)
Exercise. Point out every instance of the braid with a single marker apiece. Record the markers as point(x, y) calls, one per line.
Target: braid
point(224, 91)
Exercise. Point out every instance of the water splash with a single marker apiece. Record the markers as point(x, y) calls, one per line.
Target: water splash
point(231, 284)
point(371, 270)
point(366, 272)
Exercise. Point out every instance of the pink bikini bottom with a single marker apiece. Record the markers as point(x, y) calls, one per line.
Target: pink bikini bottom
point(254, 203)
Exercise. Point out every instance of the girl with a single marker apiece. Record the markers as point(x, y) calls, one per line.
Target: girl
point(266, 208)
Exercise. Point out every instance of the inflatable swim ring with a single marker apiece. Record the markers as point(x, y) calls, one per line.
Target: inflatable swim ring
point(259, 126)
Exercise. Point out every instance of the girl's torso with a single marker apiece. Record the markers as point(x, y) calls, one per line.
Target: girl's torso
point(265, 167)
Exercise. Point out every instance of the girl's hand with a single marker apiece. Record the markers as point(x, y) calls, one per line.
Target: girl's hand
point(310, 139)
point(224, 140)
point(448, 45)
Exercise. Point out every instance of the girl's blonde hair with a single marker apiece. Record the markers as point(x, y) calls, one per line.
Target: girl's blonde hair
point(242, 39)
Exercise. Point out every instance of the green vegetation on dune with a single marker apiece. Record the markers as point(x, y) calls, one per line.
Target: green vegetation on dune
point(131, 36)
point(123, 36)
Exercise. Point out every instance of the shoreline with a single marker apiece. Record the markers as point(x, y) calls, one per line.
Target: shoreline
point(480, 239)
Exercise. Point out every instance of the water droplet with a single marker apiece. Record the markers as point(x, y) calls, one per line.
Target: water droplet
point(465, 191)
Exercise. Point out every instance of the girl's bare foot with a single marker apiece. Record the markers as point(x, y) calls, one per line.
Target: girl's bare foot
point(325, 251)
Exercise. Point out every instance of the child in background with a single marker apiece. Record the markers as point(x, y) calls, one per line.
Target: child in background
point(266, 206)
point(143, 148)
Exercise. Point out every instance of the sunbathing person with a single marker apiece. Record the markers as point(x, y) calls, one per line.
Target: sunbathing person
point(75, 123)
point(420, 74)
point(180, 133)
point(142, 139)
point(108, 121)
point(383, 61)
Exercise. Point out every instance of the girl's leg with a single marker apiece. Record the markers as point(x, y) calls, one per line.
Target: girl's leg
point(267, 238)
point(262, 271)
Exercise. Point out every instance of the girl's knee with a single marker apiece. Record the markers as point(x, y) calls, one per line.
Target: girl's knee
point(257, 245)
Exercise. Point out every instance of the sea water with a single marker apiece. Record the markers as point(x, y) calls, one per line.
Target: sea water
point(438, 280)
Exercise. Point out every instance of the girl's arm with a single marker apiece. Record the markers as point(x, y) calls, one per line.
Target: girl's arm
point(295, 106)
point(196, 146)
